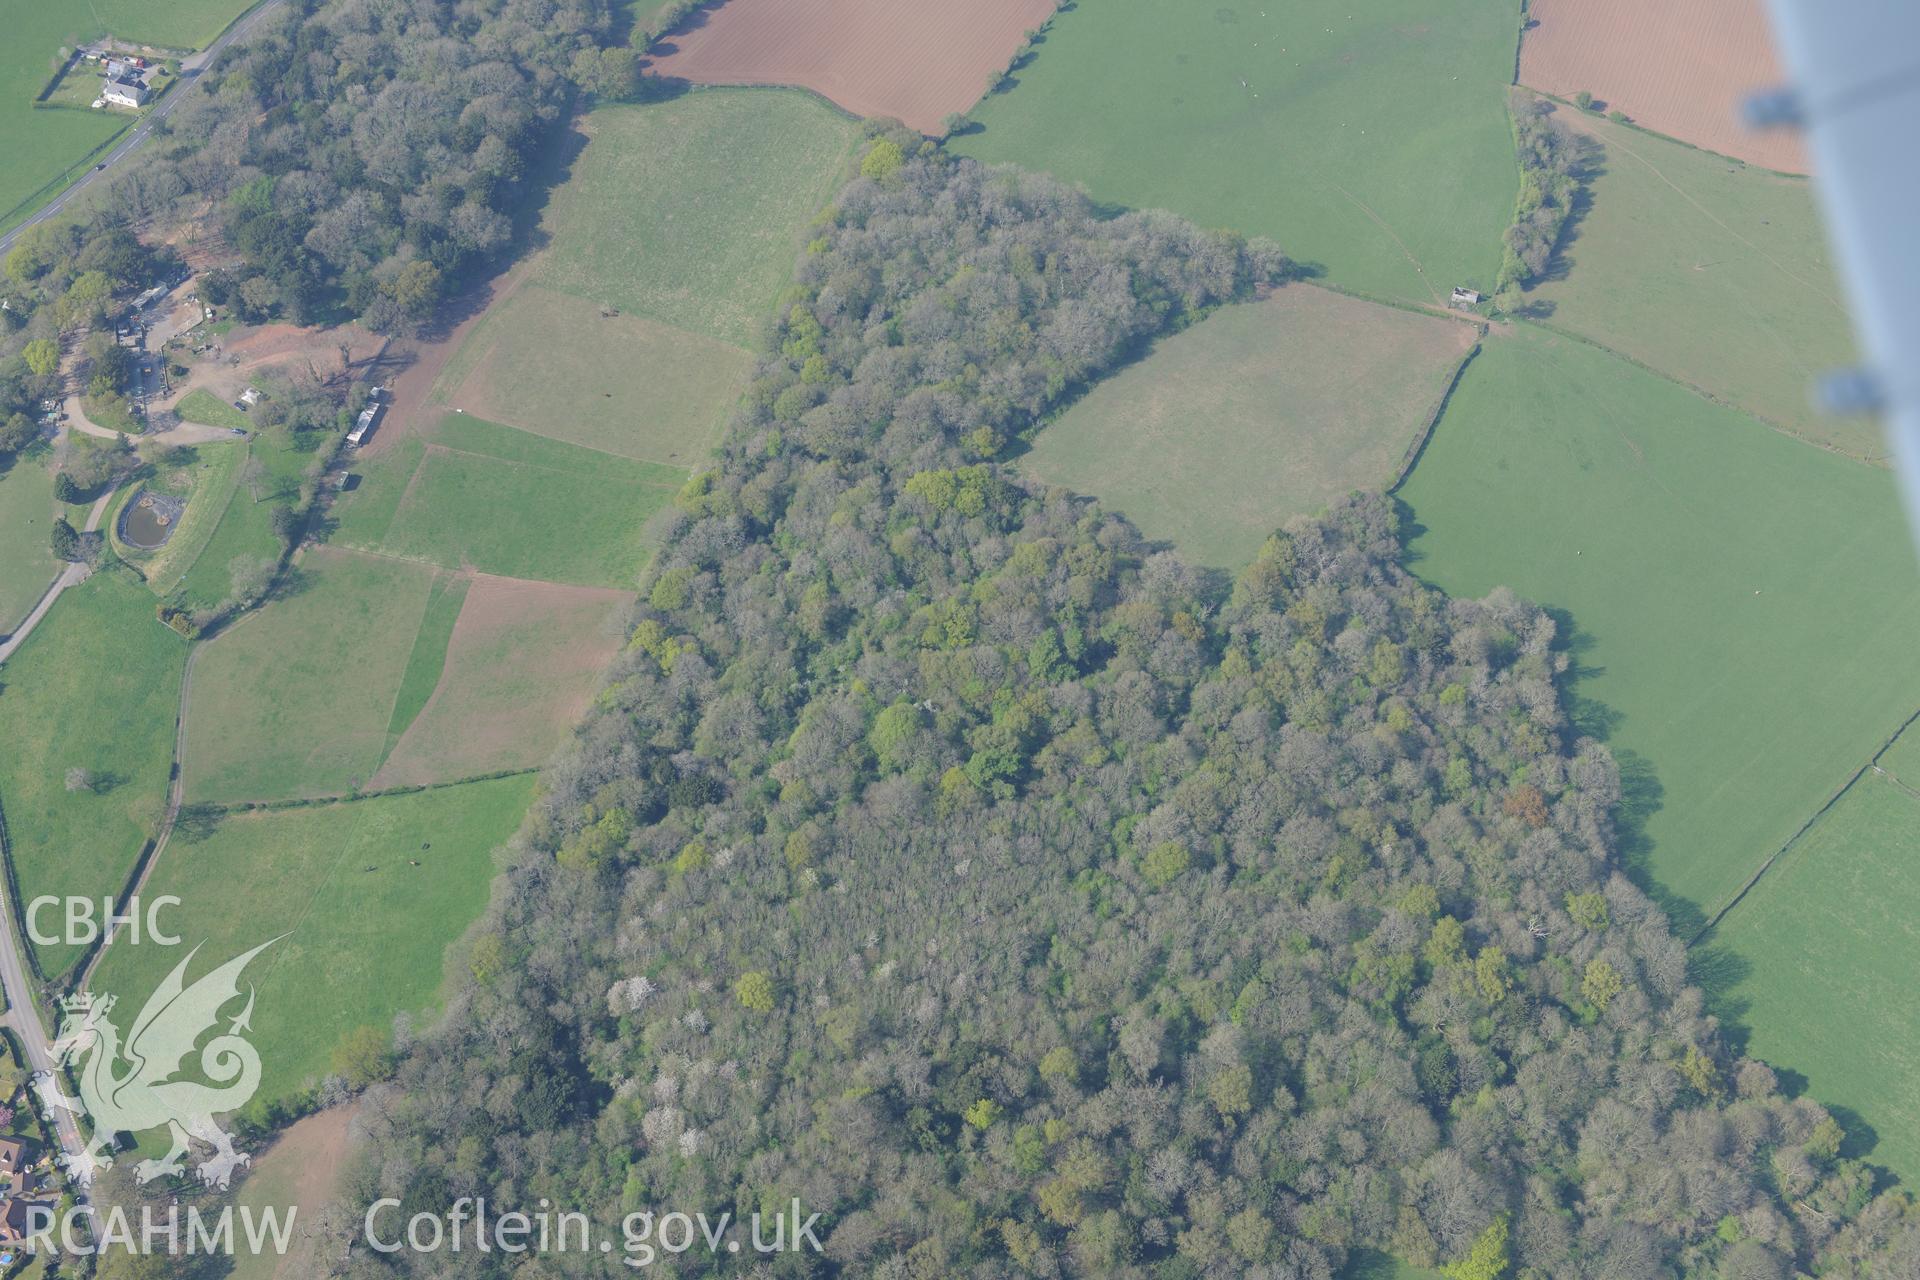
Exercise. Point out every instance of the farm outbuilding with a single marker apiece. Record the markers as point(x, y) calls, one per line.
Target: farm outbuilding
point(369, 416)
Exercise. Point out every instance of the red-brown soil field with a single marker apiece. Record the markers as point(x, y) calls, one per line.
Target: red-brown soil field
point(1681, 69)
point(916, 62)
point(520, 670)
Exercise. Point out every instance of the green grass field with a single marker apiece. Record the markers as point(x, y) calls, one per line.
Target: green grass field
point(1712, 272)
point(553, 364)
point(362, 946)
point(26, 525)
point(1372, 139)
point(38, 147)
point(1902, 759)
point(207, 483)
point(246, 528)
point(202, 406)
point(172, 24)
point(1258, 413)
point(43, 149)
point(691, 211)
point(429, 655)
point(1826, 945)
point(294, 700)
point(1743, 605)
point(474, 494)
point(95, 688)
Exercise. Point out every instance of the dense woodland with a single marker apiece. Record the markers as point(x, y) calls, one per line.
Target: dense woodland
point(1028, 902)
point(940, 853)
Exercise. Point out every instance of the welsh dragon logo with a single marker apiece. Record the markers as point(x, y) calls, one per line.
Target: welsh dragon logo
point(134, 1086)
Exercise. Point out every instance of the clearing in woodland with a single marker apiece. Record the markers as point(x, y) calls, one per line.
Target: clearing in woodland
point(1370, 140)
point(301, 1170)
point(1681, 69)
point(691, 211)
point(917, 63)
point(1260, 412)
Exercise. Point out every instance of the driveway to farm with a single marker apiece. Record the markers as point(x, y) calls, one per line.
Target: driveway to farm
point(185, 433)
point(21, 1014)
point(190, 69)
point(72, 574)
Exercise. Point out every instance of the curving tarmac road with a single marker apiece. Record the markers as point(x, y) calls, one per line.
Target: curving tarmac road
point(190, 69)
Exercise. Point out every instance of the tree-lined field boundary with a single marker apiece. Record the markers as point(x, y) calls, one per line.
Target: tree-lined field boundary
point(1420, 439)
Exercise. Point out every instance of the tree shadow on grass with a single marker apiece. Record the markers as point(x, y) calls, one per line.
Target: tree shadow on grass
point(553, 166)
point(1561, 262)
point(292, 583)
point(1642, 794)
point(197, 822)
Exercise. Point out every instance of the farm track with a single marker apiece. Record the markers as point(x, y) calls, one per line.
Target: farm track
point(23, 1010)
point(176, 794)
point(1879, 463)
point(1382, 223)
point(1810, 286)
point(72, 575)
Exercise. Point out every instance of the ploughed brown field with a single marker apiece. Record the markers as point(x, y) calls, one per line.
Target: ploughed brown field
point(1680, 69)
point(520, 670)
point(917, 62)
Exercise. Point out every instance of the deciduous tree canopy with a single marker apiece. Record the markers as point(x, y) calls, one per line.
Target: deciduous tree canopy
point(1059, 909)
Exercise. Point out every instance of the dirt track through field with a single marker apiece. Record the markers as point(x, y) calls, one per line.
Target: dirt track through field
point(1681, 69)
point(916, 62)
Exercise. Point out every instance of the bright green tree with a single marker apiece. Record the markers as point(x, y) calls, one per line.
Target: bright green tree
point(754, 991)
point(883, 159)
point(362, 1056)
point(42, 356)
point(1601, 984)
point(892, 735)
point(1165, 863)
point(1487, 1260)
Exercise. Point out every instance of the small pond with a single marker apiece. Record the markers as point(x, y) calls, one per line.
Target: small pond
point(150, 519)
